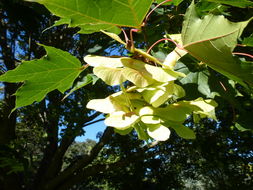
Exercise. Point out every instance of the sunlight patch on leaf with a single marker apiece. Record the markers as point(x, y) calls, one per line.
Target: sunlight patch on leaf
point(158, 132)
point(121, 120)
point(111, 76)
point(102, 61)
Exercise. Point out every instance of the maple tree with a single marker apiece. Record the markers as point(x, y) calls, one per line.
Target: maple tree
point(150, 94)
point(145, 105)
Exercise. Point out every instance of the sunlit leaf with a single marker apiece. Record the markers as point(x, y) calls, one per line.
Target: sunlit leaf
point(178, 91)
point(107, 105)
point(56, 70)
point(157, 94)
point(92, 16)
point(148, 72)
point(138, 77)
point(174, 112)
point(122, 98)
point(179, 112)
point(111, 76)
point(147, 115)
point(121, 120)
point(174, 2)
point(114, 36)
point(163, 74)
point(150, 119)
point(102, 61)
point(207, 107)
point(172, 58)
point(158, 132)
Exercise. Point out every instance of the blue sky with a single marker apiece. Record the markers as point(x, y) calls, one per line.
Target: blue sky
point(92, 130)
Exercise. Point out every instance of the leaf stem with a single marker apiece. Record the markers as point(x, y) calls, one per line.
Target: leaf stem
point(148, 15)
point(245, 54)
point(84, 67)
point(148, 56)
point(92, 122)
point(241, 45)
point(131, 45)
point(125, 35)
point(164, 39)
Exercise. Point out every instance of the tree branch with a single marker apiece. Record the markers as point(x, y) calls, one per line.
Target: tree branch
point(51, 125)
point(8, 123)
point(79, 177)
point(84, 161)
point(90, 123)
point(67, 140)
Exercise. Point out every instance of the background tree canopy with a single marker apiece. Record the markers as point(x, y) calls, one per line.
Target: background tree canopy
point(38, 149)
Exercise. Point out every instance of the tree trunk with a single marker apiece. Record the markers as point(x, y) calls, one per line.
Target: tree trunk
point(8, 178)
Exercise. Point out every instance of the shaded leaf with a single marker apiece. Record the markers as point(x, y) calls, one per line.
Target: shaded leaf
point(123, 132)
point(245, 120)
point(141, 131)
point(214, 47)
point(90, 78)
point(201, 78)
point(183, 131)
point(235, 3)
point(248, 41)
point(240, 128)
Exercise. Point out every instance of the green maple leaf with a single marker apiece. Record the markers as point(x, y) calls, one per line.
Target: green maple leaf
point(174, 2)
point(235, 3)
point(248, 41)
point(212, 40)
point(56, 70)
point(96, 15)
